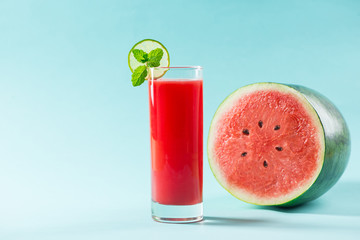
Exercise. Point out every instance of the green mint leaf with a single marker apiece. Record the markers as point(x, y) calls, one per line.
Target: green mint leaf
point(140, 55)
point(139, 75)
point(155, 57)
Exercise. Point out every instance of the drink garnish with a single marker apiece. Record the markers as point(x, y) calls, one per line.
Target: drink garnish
point(144, 55)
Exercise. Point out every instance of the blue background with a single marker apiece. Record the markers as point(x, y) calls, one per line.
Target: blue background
point(74, 133)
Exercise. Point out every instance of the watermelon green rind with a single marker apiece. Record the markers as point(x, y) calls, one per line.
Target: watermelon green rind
point(337, 145)
point(336, 142)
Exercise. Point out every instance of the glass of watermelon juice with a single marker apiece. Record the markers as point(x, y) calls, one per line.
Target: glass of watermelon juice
point(176, 135)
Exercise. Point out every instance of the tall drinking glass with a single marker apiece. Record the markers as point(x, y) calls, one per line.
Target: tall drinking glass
point(176, 135)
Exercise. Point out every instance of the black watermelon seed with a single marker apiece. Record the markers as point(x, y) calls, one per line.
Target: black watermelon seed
point(260, 123)
point(277, 127)
point(265, 164)
point(244, 154)
point(279, 148)
point(246, 132)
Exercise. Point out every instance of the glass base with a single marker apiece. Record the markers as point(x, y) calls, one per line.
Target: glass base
point(177, 213)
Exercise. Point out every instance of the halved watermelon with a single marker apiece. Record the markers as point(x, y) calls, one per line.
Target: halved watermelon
point(277, 144)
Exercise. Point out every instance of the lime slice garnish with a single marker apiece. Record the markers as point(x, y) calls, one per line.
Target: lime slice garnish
point(147, 45)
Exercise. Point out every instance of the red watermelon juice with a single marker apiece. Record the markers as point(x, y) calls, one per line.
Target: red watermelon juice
point(176, 132)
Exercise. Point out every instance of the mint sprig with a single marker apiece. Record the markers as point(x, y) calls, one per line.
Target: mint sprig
point(140, 55)
point(155, 57)
point(139, 75)
point(151, 59)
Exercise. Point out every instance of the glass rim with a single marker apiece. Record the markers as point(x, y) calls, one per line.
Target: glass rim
point(179, 67)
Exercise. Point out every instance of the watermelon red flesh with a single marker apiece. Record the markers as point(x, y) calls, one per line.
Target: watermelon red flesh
point(276, 144)
point(269, 145)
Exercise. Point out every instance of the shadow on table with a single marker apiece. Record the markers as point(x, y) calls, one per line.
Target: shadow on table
point(227, 221)
point(342, 200)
